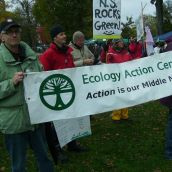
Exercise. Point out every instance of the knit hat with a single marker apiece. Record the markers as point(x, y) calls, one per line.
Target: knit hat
point(5, 25)
point(56, 30)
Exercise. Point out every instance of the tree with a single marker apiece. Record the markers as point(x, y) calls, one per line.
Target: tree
point(71, 14)
point(57, 86)
point(128, 28)
point(2, 5)
point(3, 12)
point(164, 15)
point(24, 16)
point(167, 9)
point(159, 14)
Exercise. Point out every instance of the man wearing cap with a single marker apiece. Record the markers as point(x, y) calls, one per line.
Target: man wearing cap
point(17, 58)
point(58, 56)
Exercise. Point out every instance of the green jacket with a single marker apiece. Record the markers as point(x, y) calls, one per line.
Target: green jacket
point(14, 115)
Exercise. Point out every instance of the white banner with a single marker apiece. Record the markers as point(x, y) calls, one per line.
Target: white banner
point(82, 91)
point(106, 19)
point(68, 130)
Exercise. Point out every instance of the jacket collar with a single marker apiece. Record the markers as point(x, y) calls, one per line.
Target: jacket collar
point(56, 48)
point(76, 46)
point(8, 58)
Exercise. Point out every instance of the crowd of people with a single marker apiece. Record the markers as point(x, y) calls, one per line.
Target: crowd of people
point(17, 58)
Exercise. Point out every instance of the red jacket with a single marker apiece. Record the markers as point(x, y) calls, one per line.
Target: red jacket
point(114, 56)
point(53, 58)
point(135, 50)
point(103, 56)
point(104, 51)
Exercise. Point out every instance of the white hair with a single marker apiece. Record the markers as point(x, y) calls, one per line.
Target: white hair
point(77, 35)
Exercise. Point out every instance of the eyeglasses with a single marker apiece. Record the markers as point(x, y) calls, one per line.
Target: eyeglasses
point(12, 31)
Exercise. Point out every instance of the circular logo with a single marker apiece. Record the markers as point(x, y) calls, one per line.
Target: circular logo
point(57, 92)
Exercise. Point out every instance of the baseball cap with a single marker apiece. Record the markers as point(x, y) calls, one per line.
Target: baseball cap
point(8, 23)
point(56, 30)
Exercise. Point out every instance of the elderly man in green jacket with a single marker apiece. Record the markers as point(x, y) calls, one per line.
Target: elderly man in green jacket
point(16, 59)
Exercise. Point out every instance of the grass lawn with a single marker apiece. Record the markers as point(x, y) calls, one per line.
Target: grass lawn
point(128, 146)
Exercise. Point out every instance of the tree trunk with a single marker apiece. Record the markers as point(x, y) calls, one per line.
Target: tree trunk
point(159, 15)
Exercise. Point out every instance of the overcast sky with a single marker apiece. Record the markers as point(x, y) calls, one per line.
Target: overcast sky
point(133, 8)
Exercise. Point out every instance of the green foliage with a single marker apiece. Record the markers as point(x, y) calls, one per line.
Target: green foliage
point(128, 28)
point(163, 15)
point(167, 11)
point(23, 15)
point(3, 12)
point(71, 14)
point(128, 146)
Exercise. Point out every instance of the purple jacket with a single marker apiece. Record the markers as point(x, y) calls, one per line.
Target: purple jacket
point(167, 101)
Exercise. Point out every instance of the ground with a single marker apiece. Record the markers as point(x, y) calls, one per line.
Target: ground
point(136, 145)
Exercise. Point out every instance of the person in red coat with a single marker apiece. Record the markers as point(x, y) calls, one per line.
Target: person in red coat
point(104, 50)
point(118, 54)
point(135, 48)
point(58, 56)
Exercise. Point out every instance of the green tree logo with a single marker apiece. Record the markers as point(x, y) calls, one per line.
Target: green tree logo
point(57, 92)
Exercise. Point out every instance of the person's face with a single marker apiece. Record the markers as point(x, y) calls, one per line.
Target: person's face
point(60, 39)
point(80, 42)
point(120, 44)
point(11, 37)
point(132, 39)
